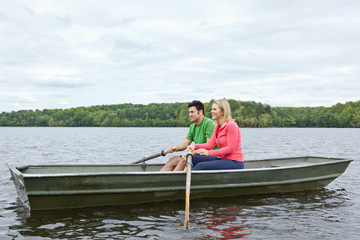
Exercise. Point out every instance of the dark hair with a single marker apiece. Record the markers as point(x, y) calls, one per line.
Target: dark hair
point(199, 105)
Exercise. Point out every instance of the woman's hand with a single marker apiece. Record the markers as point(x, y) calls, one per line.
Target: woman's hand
point(203, 152)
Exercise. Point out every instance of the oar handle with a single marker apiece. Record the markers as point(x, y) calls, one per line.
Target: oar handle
point(189, 157)
point(162, 153)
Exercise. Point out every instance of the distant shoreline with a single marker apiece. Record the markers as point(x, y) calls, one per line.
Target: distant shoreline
point(247, 114)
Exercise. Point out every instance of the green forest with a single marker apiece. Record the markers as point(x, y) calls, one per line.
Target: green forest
point(246, 114)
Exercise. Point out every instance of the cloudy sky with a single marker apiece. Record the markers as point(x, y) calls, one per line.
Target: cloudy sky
point(63, 54)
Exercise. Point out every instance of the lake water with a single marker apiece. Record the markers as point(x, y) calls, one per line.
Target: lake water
point(329, 213)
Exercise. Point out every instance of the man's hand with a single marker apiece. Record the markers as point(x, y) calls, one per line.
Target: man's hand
point(171, 149)
point(183, 158)
point(190, 148)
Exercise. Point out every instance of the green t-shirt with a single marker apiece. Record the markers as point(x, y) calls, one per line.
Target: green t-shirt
point(199, 133)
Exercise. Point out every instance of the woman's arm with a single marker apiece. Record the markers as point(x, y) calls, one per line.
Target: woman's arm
point(211, 143)
point(232, 136)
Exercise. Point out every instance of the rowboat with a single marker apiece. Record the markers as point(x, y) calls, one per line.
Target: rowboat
point(73, 186)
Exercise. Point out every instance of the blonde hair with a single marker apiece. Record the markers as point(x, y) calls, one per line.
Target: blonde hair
point(225, 107)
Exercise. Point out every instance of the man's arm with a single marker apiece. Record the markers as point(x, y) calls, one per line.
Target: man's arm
point(182, 146)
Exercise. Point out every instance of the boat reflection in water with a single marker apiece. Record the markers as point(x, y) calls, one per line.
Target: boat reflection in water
point(138, 221)
point(227, 223)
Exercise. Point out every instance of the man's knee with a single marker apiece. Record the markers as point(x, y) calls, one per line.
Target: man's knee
point(174, 159)
point(171, 163)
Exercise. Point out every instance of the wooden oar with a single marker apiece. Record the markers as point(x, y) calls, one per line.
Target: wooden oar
point(162, 153)
point(188, 183)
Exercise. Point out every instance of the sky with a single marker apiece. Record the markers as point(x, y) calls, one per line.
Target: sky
point(64, 54)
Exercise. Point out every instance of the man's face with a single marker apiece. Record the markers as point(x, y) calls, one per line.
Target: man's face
point(194, 114)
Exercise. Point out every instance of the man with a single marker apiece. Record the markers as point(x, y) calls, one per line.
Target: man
point(200, 131)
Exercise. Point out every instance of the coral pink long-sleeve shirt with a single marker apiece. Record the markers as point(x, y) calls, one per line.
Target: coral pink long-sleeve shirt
point(228, 138)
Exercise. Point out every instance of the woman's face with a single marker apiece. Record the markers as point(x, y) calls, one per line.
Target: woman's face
point(216, 112)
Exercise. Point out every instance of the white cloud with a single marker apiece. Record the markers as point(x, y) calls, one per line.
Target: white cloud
point(64, 103)
point(78, 35)
point(345, 69)
point(54, 71)
point(57, 77)
point(29, 98)
point(90, 54)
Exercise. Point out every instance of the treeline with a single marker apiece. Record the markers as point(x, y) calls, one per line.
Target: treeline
point(245, 113)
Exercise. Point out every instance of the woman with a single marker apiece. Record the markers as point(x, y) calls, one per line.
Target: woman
point(227, 136)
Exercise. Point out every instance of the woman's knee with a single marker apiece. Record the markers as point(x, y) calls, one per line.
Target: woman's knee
point(200, 166)
point(201, 158)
